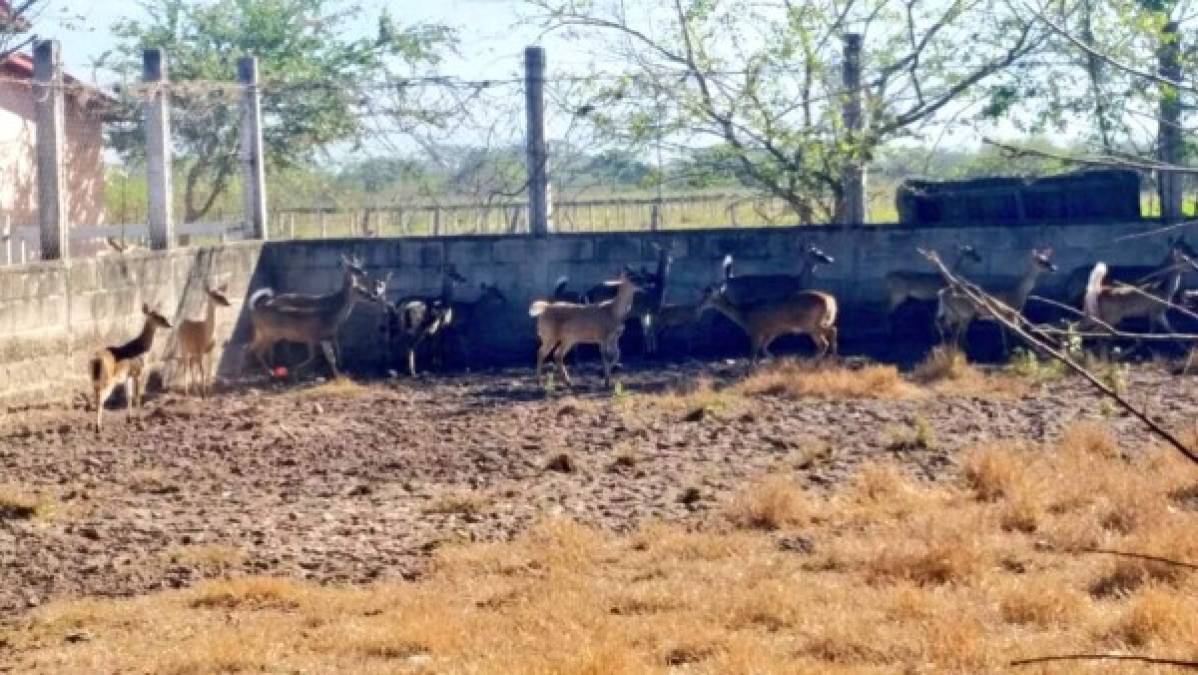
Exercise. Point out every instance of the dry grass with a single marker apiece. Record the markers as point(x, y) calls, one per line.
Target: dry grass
point(771, 504)
point(340, 387)
point(803, 379)
point(17, 503)
point(460, 503)
point(947, 371)
point(900, 575)
point(691, 401)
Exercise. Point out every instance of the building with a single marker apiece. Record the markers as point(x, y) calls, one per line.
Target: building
point(84, 156)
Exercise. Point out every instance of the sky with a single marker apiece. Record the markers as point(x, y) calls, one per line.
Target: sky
point(492, 34)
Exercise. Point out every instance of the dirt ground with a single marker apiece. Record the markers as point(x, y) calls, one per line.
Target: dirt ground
point(347, 483)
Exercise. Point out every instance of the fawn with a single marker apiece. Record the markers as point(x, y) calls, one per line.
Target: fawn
point(808, 312)
point(112, 366)
point(196, 341)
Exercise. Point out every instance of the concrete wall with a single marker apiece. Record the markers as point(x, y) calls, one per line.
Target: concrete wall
point(526, 268)
point(53, 316)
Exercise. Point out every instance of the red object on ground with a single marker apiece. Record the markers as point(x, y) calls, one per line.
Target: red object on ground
point(280, 371)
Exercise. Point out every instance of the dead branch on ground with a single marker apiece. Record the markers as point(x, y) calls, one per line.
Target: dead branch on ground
point(1031, 334)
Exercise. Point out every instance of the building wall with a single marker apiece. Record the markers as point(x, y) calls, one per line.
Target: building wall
point(54, 315)
point(84, 159)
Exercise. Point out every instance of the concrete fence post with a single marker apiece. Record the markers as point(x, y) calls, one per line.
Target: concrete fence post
point(253, 169)
point(538, 156)
point(1170, 146)
point(158, 149)
point(852, 211)
point(51, 146)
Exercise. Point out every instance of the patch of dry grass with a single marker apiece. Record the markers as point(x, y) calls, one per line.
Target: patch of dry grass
point(947, 371)
point(772, 504)
point(339, 387)
point(691, 401)
point(898, 572)
point(17, 503)
point(806, 379)
point(462, 502)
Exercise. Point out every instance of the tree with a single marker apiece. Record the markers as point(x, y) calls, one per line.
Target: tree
point(316, 79)
point(762, 77)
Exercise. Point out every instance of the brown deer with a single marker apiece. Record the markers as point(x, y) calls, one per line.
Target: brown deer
point(671, 317)
point(751, 288)
point(1115, 304)
point(562, 325)
point(195, 339)
point(806, 312)
point(123, 365)
point(955, 312)
point(904, 285)
point(310, 325)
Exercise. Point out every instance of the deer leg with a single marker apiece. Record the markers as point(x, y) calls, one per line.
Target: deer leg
point(330, 354)
point(560, 360)
point(102, 393)
point(128, 384)
point(833, 337)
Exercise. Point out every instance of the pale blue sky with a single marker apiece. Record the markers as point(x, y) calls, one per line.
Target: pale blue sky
point(492, 34)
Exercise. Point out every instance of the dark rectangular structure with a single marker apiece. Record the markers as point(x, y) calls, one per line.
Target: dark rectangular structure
point(1093, 196)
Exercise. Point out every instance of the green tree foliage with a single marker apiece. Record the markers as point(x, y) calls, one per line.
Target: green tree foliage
point(313, 66)
point(761, 79)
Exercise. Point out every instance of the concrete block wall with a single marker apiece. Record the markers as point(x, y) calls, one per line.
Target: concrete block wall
point(54, 315)
point(525, 269)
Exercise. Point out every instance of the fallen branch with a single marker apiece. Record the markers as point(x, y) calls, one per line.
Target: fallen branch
point(1140, 556)
point(1107, 657)
point(1015, 323)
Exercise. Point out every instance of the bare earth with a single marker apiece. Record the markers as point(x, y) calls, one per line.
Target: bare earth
point(350, 484)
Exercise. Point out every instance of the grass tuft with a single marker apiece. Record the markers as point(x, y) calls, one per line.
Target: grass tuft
point(799, 379)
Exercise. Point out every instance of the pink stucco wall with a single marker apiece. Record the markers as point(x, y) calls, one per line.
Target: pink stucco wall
point(18, 170)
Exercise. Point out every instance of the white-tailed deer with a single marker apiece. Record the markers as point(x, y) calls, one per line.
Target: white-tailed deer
point(123, 365)
point(806, 312)
point(352, 272)
point(904, 285)
point(955, 312)
point(562, 325)
point(562, 292)
point(649, 298)
point(751, 288)
point(195, 341)
point(1113, 305)
point(310, 325)
point(671, 317)
point(465, 317)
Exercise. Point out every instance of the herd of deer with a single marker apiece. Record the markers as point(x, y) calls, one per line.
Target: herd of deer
point(765, 306)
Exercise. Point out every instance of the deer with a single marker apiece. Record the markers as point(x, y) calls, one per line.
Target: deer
point(671, 317)
point(123, 365)
point(562, 325)
point(648, 300)
point(1113, 305)
point(955, 312)
point(903, 285)
point(562, 293)
point(804, 312)
point(419, 319)
point(307, 324)
point(466, 312)
point(352, 269)
point(195, 340)
point(770, 287)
